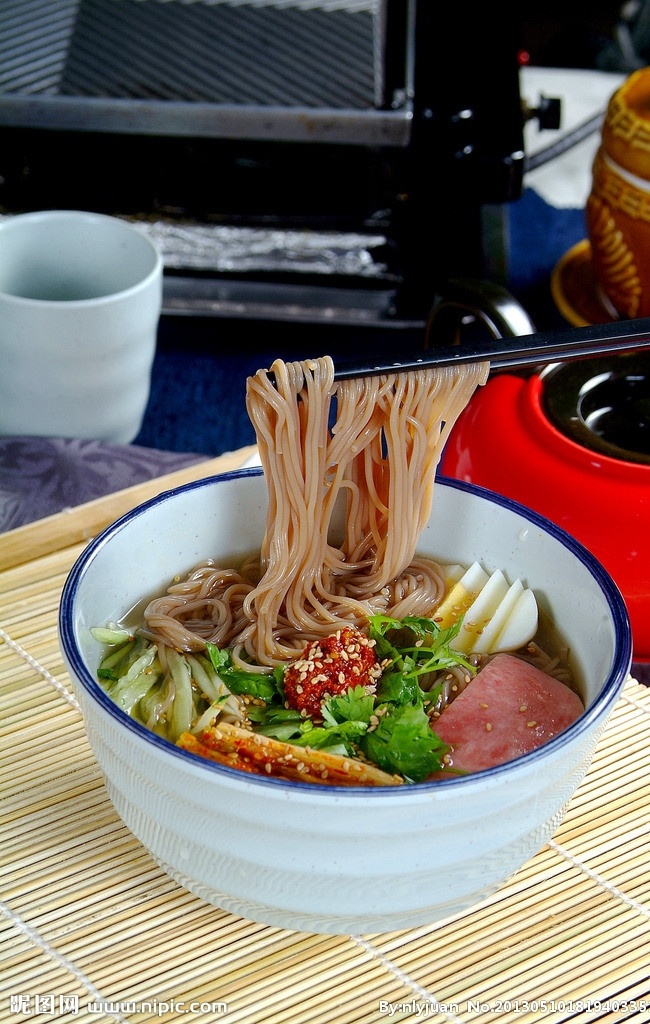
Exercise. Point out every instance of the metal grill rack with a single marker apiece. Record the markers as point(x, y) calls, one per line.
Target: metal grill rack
point(253, 69)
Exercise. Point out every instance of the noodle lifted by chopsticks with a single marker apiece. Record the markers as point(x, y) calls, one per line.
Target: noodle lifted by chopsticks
point(376, 443)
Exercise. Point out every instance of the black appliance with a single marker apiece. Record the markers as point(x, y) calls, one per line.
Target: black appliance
point(325, 161)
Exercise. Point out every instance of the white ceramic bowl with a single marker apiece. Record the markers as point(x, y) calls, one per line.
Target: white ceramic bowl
point(329, 859)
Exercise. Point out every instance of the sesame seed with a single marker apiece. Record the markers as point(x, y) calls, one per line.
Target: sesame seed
point(488, 727)
point(531, 725)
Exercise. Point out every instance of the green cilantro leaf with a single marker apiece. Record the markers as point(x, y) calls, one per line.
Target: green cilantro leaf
point(427, 645)
point(355, 705)
point(278, 722)
point(346, 717)
point(345, 734)
point(404, 743)
point(399, 686)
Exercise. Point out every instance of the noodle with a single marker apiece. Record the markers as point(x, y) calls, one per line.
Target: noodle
point(374, 443)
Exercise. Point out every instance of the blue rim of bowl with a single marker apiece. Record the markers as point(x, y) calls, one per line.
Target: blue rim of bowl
point(616, 679)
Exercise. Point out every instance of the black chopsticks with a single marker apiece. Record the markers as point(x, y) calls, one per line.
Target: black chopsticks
point(524, 350)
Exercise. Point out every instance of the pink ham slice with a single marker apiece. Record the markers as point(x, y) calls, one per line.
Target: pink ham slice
point(508, 709)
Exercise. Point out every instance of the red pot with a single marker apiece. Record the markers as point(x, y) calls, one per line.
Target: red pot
point(549, 442)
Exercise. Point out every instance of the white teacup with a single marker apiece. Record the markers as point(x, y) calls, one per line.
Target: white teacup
point(80, 301)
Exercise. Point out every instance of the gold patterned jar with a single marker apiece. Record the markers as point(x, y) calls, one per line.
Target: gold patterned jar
point(618, 207)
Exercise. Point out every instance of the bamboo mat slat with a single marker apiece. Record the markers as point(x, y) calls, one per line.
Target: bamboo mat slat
point(92, 928)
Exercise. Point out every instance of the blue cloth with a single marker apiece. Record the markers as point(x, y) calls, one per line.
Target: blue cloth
point(539, 234)
point(197, 400)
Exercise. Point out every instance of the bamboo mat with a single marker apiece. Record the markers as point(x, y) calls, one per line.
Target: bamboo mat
point(92, 930)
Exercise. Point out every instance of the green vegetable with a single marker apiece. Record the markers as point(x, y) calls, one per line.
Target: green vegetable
point(279, 723)
point(111, 635)
point(182, 707)
point(138, 671)
point(401, 739)
point(116, 662)
point(404, 743)
point(390, 727)
point(355, 705)
point(263, 686)
point(416, 646)
point(344, 734)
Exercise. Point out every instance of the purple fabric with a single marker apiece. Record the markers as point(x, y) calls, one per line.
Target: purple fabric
point(40, 476)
